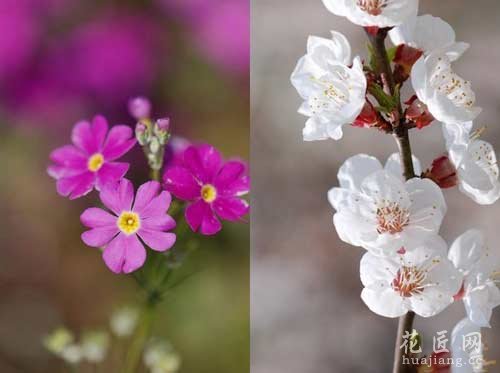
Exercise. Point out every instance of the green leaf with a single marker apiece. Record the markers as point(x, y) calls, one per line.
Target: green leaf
point(386, 101)
point(391, 53)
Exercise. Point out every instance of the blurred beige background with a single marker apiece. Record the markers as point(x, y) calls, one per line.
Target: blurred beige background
point(307, 315)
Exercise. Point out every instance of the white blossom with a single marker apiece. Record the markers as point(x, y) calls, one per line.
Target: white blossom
point(333, 90)
point(475, 161)
point(379, 211)
point(419, 279)
point(429, 34)
point(95, 345)
point(380, 13)
point(123, 321)
point(467, 355)
point(449, 98)
point(481, 268)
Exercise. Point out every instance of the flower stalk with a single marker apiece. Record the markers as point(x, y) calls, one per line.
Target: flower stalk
point(400, 132)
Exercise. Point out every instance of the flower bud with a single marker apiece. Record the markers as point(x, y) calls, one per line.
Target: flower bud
point(369, 117)
point(161, 129)
point(418, 113)
point(442, 172)
point(141, 134)
point(139, 108)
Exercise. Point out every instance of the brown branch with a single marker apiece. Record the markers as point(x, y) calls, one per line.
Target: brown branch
point(400, 133)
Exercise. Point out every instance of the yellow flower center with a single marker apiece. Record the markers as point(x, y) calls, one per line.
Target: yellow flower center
point(129, 222)
point(95, 162)
point(208, 193)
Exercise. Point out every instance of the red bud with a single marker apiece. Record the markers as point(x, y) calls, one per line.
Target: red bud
point(418, 113)
point(442, 172)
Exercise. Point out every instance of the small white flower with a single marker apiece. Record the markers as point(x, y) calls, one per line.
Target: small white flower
point(160, 357)
point(429, 34)
point(419, 279)
point(72, 354)
point(95, 346)
point(381, 13)
point(58, 340)
point(471, 357)
point(449, 98)
point(475, 161)
point(333, 91)
point(481, 269)
point(124, 321)
point(379, 211)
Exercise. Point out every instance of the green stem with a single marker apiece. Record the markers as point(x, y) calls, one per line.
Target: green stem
point(141, 336)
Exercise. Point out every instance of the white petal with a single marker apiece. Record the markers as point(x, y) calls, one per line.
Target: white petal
point(393, 165)
point(462, 329)
point(480, 302)
point(382, 185)
point(386, 303)
point(355, 169)
point(467, 249)
point(428, 206)
point(326, 51)
point(375, 269)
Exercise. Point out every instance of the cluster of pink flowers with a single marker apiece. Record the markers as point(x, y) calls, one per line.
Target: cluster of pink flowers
point(198, 175)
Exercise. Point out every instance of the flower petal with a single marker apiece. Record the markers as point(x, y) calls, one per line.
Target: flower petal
point(95, 217)
point(145, 194)
point(386, 303)
point(76, 186)
point(233, 179)
point(99, 131)
point(99, 237)
point(157, 240)
point(159, 223)
point(83, 138)
point(232, 209)
point(467, 249)
point(110, 173)
point(158, 206)
point(200, 217)
point(355, 169)
point(204, 161)
point(69, 155)
point(124, 254)
point(181, 183)
point(118, 197)
point(118, 142)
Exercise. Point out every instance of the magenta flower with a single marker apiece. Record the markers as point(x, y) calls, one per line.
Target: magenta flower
point(121, 232)
point(90, 162)
point(211, 185)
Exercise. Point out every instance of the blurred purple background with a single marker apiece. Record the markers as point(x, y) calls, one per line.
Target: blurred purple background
point(64, 60)
point(307, 315)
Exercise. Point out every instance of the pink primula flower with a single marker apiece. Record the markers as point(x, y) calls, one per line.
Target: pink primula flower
point(89, 162)
point(212, 187)
point(131, 224)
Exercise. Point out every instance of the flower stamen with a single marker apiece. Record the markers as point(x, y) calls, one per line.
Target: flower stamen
point(95, 162)
point(208, 193)
point(129, 222)
point(392, 218)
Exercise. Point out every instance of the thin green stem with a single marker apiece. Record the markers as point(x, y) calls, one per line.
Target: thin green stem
point(141, 336)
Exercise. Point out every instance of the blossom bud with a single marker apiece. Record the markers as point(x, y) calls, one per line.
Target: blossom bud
point(141, 134)
point(418, 113)
point(161, 130)
point(442, 172)
point(139, 108)
point(404, 59)
point(369, 117)
point(154, 145)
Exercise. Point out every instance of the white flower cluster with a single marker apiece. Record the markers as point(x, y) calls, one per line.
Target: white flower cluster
point(408, 266)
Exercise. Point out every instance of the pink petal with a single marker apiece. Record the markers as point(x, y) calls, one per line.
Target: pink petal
point(99, 131)
point(82, 137)
point(204, 162)
point(232, 209)
point(210, 225)
point(181, 183)
point(156, 240)
point(157, 207)
point(159, 223)
point(111, 173)
point(200, 216)
point(76, 186)
point(58, 172)
point(99, 237)
point(69, 155)
point(233, 179)
point(124, 254)
point(145, 194)
point(120, 140)
point(118, 197)
point(95, 217)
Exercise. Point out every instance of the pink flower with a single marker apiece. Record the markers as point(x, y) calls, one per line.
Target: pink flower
point(89, 162)
point(211, 185)
point(121, 232)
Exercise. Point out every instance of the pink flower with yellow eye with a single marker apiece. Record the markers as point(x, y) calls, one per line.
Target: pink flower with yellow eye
point(90, 162)
point(213, 188)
